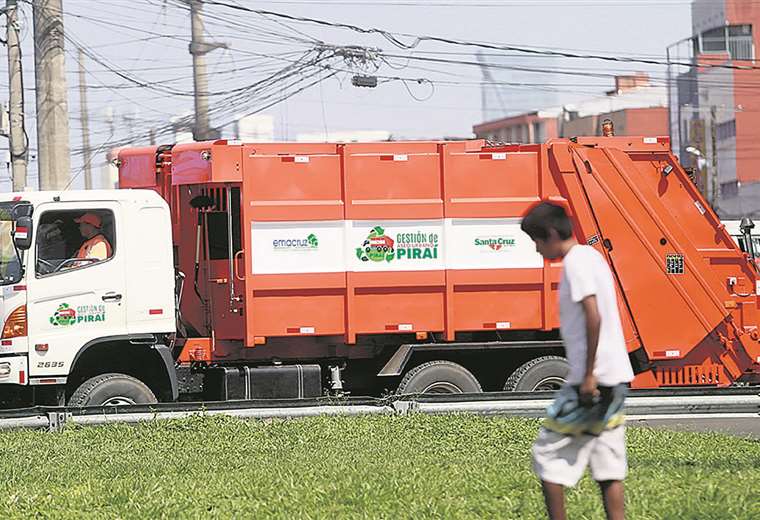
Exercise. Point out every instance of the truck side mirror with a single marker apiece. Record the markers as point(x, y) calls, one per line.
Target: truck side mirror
point(22, 235)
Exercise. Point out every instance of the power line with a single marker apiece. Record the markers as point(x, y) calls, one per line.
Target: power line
point(394, 38)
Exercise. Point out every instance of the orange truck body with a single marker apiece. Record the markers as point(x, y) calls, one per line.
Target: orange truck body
point(347, 251)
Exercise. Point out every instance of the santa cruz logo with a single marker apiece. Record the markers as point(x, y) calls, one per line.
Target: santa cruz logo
point(377, 247)
point(495, 243)
point(296, 244)
point(63, 316)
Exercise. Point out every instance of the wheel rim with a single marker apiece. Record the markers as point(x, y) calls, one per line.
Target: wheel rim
point(549, 384)
point(442, 387)
point(118, 400)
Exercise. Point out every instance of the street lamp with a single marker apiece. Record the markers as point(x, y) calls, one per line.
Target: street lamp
point(701, 163)
point(694, 151)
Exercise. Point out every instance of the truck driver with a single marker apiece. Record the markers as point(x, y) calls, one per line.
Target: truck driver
point(95, 246)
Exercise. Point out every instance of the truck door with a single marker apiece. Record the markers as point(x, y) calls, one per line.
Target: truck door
point(76, 283)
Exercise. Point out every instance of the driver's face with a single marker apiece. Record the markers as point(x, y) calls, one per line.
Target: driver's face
point(87, 230)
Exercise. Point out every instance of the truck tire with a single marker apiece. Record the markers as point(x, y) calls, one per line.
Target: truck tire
point(111, 390)
point(439, 377)
point(546, 373)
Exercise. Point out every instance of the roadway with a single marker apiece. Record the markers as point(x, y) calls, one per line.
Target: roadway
point(741, 425)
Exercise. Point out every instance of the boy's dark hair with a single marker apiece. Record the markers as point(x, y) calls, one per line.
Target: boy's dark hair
point(545, 216)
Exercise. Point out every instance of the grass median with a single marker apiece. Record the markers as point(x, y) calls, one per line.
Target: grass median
point(352, 467)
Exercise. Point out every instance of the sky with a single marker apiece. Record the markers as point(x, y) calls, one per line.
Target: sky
point(139, 70)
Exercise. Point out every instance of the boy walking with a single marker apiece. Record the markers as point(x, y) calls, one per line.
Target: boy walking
point(584, 425)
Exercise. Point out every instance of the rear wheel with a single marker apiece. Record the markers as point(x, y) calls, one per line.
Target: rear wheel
point(547, 373)
point(439, 377)
point(112, 390)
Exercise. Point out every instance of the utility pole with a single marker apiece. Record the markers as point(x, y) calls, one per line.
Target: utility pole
point(53, 161)
point(715, 189)
point(84, 116)
point(198, 49)
point(19, 145)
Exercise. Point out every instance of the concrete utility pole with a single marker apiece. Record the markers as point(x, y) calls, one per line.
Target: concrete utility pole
point(198, 49)
point(19, 145)
point(715, 191)
point(84, 116)
point(53, 160)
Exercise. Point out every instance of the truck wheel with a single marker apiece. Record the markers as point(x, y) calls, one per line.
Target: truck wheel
point(546, 373)
point(438, 377)
point(111, 390)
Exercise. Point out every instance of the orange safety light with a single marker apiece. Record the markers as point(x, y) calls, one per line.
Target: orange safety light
point(15, 325)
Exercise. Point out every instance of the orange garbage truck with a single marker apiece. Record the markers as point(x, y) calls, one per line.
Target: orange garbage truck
point(401, 266)
point(287, 270)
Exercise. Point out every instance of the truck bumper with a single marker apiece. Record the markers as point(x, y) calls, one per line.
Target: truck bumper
point(14, 370)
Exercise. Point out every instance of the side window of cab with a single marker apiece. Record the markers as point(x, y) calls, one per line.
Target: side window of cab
point(68, 240)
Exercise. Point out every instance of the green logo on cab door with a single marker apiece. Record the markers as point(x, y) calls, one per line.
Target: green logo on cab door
point(65, 315)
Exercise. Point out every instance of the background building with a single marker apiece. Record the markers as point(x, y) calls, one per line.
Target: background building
point(635, 106)
point(715, 103)
point(534, 127)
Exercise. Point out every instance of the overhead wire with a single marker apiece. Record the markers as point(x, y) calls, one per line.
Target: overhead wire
point(416, 40)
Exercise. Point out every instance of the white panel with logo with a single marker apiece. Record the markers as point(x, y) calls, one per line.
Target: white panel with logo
point(395, 245)
point(297, 247)
point(390, 245)
point(489, 244)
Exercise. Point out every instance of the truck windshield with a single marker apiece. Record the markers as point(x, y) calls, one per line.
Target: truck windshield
point(10, 265)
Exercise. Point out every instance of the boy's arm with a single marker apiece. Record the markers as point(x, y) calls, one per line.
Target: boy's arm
point(588, 387)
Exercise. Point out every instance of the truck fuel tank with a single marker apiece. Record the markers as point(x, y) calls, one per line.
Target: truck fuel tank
point(269, 382)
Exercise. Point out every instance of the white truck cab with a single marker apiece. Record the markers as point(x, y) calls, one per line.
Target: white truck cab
point(88, 299)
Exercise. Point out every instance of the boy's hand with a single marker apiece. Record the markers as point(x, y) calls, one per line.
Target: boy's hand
point(588, 390)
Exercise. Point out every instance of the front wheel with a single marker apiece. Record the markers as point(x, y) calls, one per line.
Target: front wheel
point(112, 390)
point(439, 377)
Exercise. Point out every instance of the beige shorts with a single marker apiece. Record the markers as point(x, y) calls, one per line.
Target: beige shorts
point(562, 459)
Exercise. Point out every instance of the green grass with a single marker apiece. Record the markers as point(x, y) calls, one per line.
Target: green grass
point(365, 467)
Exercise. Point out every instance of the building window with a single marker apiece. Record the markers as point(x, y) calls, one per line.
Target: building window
point(538, 132)
point(714, 40)
point(740, 44)
point(729, 190)
point(734, 39)
point(726, 130)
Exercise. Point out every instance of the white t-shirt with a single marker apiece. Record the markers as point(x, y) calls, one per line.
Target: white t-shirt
point(584, 273)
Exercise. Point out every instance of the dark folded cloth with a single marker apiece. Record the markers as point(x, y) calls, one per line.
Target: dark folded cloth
point(569, 416)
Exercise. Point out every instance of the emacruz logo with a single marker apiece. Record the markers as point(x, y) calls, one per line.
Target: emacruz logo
point(495, 243)
point(310, 243)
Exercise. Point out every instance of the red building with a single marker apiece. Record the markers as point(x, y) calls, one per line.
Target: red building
point(635, 107)
point(534, 127)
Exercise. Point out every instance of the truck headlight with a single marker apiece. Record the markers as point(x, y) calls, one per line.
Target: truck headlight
point(5, 369)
